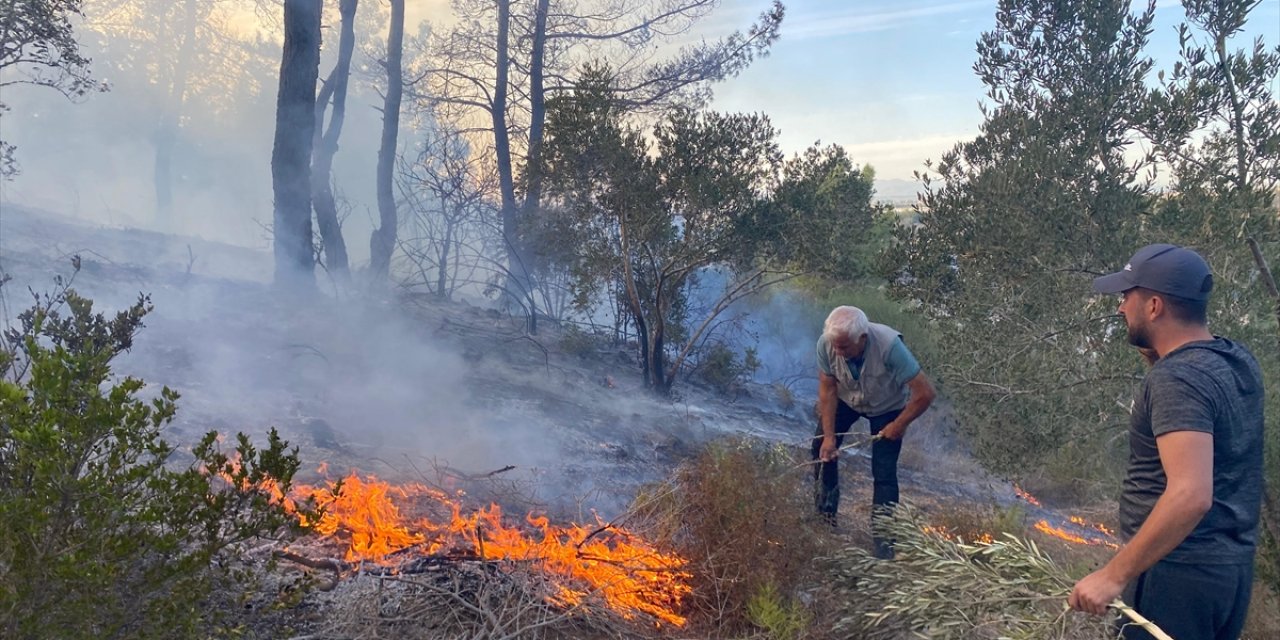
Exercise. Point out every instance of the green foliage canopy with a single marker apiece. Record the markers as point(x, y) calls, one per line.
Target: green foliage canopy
point(102, 533)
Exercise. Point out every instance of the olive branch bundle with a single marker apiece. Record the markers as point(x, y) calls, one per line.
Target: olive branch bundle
point(938, 587)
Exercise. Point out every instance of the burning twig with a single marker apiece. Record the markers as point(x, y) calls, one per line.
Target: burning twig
point(476, 476)
point(338, 567)
point(600, 529)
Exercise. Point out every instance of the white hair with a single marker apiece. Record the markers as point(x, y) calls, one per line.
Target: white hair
point(845, 321)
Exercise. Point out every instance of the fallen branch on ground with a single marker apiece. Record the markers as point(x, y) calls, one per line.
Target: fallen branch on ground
point(945, 588)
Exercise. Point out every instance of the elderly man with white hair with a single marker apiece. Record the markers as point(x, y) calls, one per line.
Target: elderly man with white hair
point(865, 370)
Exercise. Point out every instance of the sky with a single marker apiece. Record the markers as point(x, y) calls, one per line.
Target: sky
point(892, 80)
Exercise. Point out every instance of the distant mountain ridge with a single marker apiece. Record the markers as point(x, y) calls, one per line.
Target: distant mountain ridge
point(897, 191)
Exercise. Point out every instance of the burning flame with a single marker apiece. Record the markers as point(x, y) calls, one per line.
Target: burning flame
point(1030, 499)
point(1099, 534)
point(366, 515)
point(948, 534)
point(1043, 526)
point(1088, 533)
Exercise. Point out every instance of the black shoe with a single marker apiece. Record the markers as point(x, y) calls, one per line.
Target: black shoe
point(883, 550)
point(829, 519)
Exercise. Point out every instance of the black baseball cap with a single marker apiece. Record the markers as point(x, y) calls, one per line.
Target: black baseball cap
point(1165, 268)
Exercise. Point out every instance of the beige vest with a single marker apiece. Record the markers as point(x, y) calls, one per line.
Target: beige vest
point(873, 392)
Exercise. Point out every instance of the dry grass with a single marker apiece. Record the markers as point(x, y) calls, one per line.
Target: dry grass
point(741, 514)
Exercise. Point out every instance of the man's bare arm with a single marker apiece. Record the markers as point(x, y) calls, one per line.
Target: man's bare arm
point(922, 395)
point(1187, 458)
point(828, 396)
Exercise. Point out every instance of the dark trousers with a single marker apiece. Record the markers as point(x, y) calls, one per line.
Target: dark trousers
point(884, 469)
point(1191, 601)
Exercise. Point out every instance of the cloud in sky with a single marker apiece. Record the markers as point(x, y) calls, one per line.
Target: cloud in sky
point(899, 157)
point(864, 19)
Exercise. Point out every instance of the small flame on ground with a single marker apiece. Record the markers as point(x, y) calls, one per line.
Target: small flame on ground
point(1043, 526)
point(948, 534)
point(629, 574)
point(1026, 496)
point(1105, 535)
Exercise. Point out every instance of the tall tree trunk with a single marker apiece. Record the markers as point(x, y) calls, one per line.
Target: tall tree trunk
point(538, 109)
point(171, 113)
point(642, 337)
point(442, 270)
point(517, 267)
point(383, 240)
point(335, 248)
point(291, 155)
point(657, 358)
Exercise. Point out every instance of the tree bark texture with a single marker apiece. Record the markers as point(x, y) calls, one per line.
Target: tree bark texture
point(326, 141)
point(383, 241)
point(291, 155)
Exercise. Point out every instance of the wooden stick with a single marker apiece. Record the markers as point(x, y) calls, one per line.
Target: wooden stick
point(855, 445)
point(332, 564)
point(1138, 619)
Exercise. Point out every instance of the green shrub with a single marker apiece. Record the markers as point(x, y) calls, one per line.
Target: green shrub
point(99, 536)
point(740, 512)
point(721, 368)
point(781, 618)
point(577, 342)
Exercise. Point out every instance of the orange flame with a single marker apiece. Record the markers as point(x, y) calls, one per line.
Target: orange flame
point(629, 574)
point(948, 534)
point(1044, 527)
point(1026, 496)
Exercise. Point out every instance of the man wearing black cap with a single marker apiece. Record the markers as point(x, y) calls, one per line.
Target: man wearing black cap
point(1190, 505)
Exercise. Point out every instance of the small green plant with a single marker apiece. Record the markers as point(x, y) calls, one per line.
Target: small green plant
point(780, 617)
point(100, 535)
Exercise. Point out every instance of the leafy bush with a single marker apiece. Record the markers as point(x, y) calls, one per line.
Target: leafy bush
point(577, 342)
point(100, 537)
point(721, 368)
point(742, 516)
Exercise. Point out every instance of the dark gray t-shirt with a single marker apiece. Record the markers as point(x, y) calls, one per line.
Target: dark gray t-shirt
point(1213, 386)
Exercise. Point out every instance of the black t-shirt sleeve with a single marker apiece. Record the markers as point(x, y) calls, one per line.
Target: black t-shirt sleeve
point(1180, 400)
